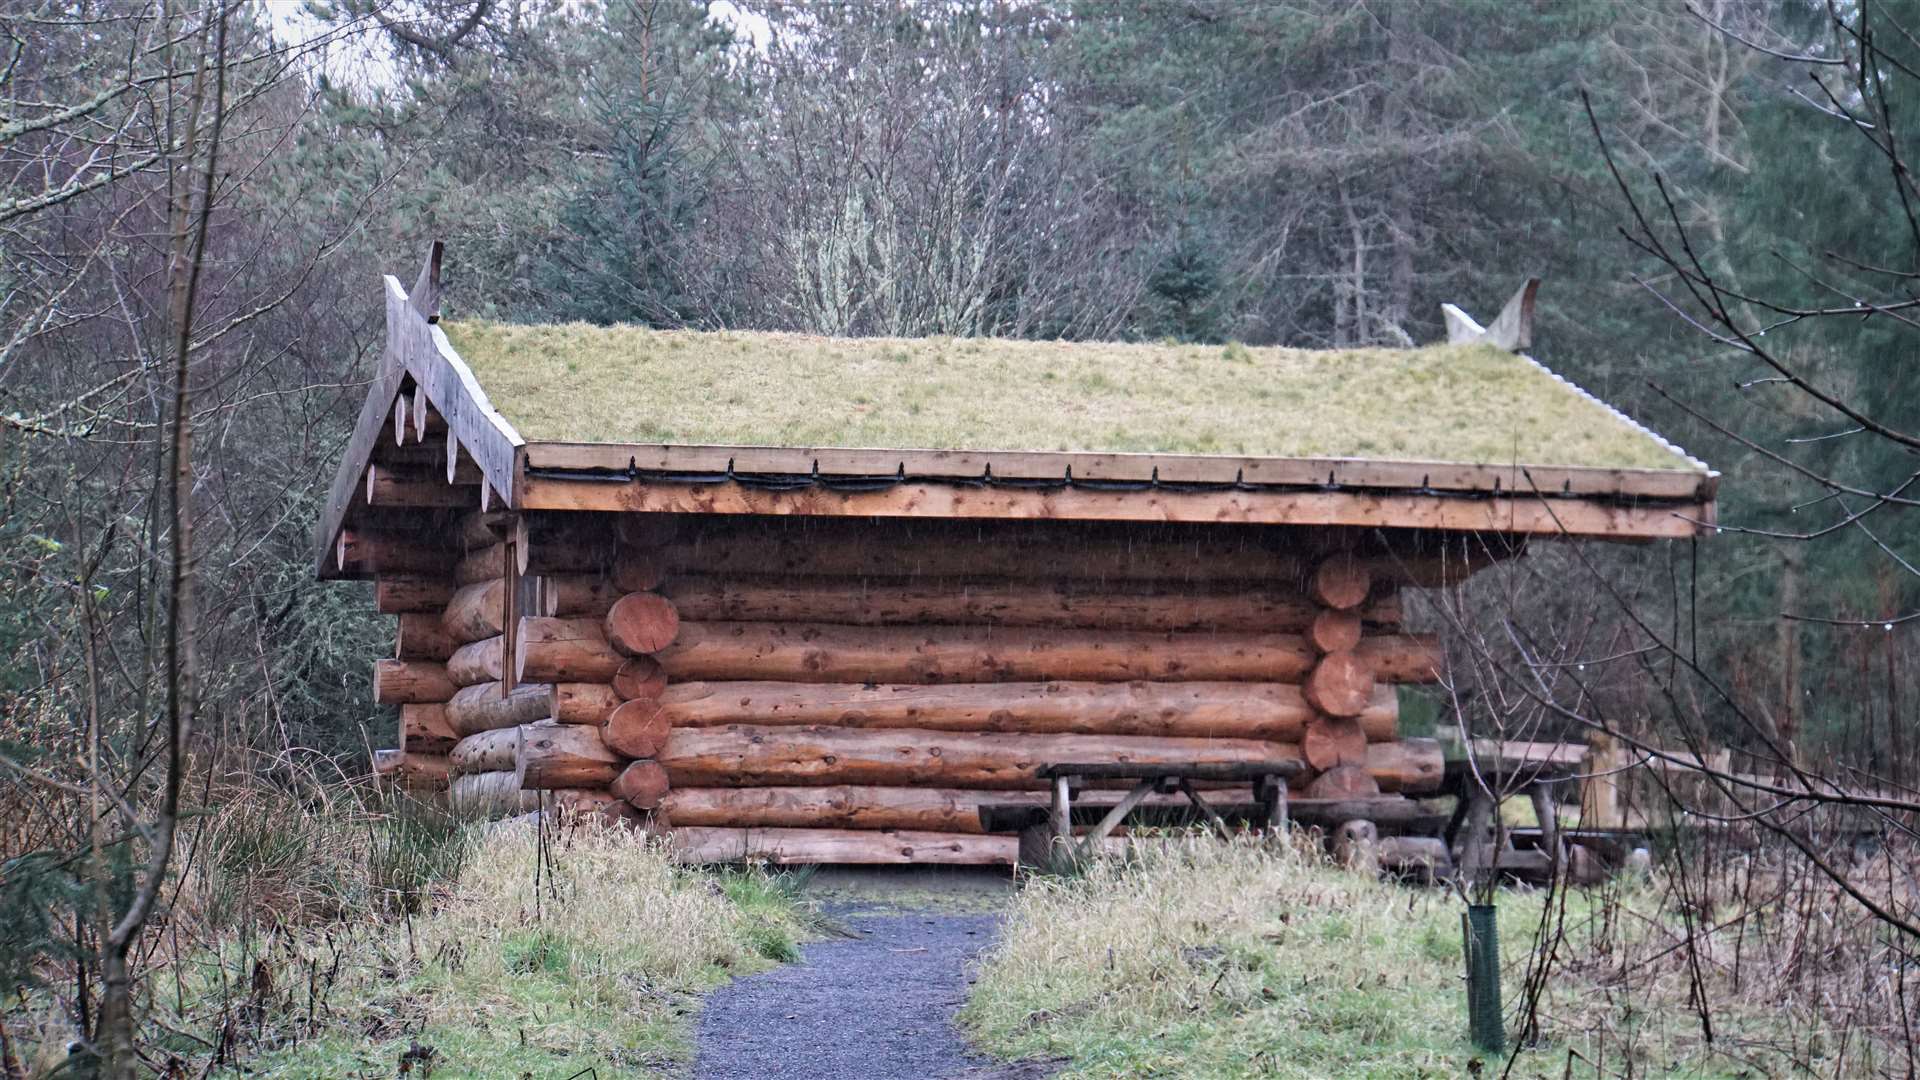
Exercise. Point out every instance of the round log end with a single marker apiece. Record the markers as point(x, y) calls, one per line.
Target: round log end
point(1343, 782)
point(1334, 631)
point(642, 784)
point(1341, 684)
point(1331, 742)
point(1341, 582)
point(637, 729)
point(642, 622)
point(640, 679)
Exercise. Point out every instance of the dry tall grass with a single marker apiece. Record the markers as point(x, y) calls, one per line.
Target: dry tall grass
point(1198, 959)
point(348, 939)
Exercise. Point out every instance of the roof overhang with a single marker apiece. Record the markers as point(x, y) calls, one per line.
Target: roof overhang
point(1519, 499)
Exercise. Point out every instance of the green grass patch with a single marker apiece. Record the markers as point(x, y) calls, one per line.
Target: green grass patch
point(1197, 959)
point(1441, 403)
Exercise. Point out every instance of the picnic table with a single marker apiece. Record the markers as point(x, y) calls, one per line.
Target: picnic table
point(1268, 781)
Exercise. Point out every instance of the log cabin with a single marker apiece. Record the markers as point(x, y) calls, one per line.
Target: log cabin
point(822, 600)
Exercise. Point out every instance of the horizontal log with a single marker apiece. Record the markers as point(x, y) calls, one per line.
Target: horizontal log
point(400, 595)
point(540, 556)
point(1402, 658)
point(410, 682)
point(820, 652)
point(1035, 551)
point(584, 703)
point(841, 806)
point(387, 486)
point(565, 650)
point(641, 623)
point(414, 772)
point(594, 593)
point(490, 795)
point(1049, 551)
point(478, 662)
point(359, 551)
point(744, 755)
point(424, 729)
point(741, 755)
point(482, 564)
point(911, 602)
point(486, 751)
point(1243, 710)
point(595, 802)
point(477, 611)
point(554, 755)
point(852, 846)
point(646, 531)
point(482, 707)
point(484, 528)
point(419, 636)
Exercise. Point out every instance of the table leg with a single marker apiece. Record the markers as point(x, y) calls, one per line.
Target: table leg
point(1193, 797)
point(1090, 843)
point(1272, 793)
point(1062, 817)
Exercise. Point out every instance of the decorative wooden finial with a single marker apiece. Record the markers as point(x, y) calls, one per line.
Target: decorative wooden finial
point(1512, 331)
point(426, 288)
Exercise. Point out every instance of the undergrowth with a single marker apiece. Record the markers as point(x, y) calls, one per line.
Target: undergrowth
point(1199, 959)
point(400, 941)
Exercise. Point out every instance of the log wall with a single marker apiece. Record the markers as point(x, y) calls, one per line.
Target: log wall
point(857, 690)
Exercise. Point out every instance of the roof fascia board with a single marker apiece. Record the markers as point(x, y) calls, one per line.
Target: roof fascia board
point(1520, 514)
point(1369, 473)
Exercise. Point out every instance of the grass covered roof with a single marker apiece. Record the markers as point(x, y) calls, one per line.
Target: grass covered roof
point(624, 384)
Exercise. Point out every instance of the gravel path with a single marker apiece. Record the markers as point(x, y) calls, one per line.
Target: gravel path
point(877, 1006)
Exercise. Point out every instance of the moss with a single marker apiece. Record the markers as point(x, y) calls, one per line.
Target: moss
point(1440, 403)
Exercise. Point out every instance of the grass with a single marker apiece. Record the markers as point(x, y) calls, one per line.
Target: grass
point(342, 944)
point(1198, 959)
point(598, 965)
point(1442, 403)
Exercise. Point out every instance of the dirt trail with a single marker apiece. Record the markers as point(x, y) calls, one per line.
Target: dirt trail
point(875, 1006)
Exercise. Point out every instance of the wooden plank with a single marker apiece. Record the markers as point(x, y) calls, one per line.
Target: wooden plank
point(1681, 484)
point(859, 846)
point(1527, 515)
point(1219, 771)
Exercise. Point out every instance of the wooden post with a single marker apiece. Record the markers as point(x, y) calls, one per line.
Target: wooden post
point(1599, 792)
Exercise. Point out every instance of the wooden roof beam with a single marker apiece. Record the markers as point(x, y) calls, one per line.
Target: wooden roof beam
point(1520, 514)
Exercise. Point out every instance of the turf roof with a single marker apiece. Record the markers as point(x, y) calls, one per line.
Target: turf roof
point(624, 384)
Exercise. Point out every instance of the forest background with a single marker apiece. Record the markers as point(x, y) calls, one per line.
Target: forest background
point(1300, 172)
